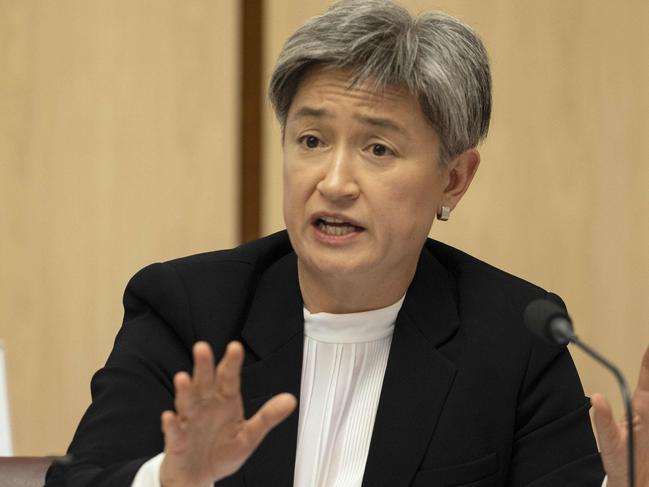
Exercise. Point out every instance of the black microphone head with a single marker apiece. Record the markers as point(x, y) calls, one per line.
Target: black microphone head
point(544, 318)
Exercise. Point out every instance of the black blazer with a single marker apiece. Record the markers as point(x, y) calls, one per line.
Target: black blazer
point(469, 398)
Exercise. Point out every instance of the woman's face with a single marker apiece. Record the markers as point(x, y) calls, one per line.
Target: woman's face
point(362, 182)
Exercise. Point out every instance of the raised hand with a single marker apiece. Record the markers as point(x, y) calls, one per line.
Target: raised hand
point(612, 435)
point(208, 438)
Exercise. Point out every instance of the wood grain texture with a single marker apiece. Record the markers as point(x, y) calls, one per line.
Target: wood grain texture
point(118, 148)
point(561, 198)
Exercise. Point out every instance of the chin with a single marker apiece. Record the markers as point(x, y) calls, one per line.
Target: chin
point(332, 262)
point(336, 266)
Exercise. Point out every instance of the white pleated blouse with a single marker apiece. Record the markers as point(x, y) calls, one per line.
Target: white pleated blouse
point(344, 362)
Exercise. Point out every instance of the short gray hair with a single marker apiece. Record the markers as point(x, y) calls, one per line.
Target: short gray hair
point(435, 56)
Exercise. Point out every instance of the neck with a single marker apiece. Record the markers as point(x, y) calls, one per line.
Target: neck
point(345, 294)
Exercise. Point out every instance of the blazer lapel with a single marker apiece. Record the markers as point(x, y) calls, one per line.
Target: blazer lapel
point(274, 333)
point(417, 379)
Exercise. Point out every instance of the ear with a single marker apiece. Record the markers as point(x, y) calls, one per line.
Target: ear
point(459, 174)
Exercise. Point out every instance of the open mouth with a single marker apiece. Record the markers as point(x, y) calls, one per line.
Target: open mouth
point(336, 227)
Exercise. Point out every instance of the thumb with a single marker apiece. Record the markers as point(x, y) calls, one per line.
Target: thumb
point(607, 430)
point(273, 412)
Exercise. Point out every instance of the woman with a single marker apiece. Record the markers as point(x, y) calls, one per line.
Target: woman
point(408, 357)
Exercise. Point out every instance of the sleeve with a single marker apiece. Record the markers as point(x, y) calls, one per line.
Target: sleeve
point(121, 431)
point(149, 473)
point(553, 439)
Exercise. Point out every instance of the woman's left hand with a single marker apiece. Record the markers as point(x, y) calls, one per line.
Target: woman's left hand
point(612, 435)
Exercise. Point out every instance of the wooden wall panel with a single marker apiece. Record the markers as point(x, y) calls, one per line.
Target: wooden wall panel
point(562, 197)
point(118, 148)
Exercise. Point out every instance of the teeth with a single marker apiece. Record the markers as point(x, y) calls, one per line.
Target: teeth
point(337, 230)
point(331, 219)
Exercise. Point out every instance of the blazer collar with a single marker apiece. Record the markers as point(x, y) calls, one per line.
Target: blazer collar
point(417, 379)
point(273, 331)
point(430, 302)
point(275, 314)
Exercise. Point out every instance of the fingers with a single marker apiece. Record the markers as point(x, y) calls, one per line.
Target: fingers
point(205, 382)
point(203, 374)
point(209, 419)
point(188, 389)
point(643, 379)
point(228, 372)
point(273, 412)
point(171, 429)
point(607, 430)
point(641, 394)
point(183, 400)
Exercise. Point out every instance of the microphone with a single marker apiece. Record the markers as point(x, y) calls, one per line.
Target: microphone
point(552, 323)
point(549, 321)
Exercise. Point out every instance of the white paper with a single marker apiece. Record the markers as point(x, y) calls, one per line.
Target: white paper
point(5, 425)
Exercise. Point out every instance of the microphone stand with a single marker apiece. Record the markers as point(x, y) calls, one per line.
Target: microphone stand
point(571, 337)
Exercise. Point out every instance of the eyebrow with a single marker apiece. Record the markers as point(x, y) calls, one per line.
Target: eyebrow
point(306, 112)
point(386, 123)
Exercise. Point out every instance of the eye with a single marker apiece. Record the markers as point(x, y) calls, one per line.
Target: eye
point(310, 141)
point(380, 150)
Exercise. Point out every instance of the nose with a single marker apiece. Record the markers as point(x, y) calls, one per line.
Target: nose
point(339, 184)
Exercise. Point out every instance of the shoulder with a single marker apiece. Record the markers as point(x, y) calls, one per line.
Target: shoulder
point(470, 271)
point(491, 302)
point(219, 267)
point(481, 284)
point(189, 292)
